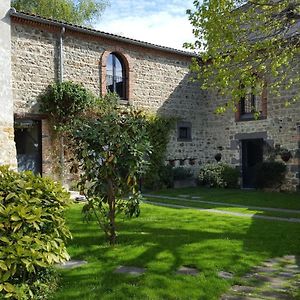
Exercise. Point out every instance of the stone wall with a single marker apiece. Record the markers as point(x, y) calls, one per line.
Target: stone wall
point(7, 145)
point(159, 82)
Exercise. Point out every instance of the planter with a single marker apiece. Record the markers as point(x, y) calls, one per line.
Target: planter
point(218, 157)
point(192, 161)
point(285, 156)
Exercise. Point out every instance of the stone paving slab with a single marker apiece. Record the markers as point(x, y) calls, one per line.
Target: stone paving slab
point(271, 285)
point(184, 270)
point(71, 264)
point(225, 275)
point(131, 270)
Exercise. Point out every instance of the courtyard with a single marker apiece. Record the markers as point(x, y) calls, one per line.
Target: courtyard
point(231, 255)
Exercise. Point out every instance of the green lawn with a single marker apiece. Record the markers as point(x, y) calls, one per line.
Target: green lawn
point(244, 197)
point(162, 239)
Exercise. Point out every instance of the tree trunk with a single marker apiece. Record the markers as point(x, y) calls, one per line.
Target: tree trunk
point(112, 210)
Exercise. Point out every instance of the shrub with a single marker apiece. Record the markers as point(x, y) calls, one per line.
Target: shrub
point(63, 102)
point(158, 175)
point(270, 174)
point(230, 176)
point(32, 234)
point(218, 175)
point(182, 173)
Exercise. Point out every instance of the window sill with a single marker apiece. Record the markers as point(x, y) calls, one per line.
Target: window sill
point(184, 140)
point(124, 102)
point(246, 118)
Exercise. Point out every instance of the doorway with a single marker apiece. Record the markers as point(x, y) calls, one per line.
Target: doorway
point(252, 155)
point(28, 137)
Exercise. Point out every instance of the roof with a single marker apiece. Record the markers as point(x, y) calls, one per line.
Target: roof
point(94, 32)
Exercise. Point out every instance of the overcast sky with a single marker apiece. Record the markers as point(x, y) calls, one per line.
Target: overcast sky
point(156, 21)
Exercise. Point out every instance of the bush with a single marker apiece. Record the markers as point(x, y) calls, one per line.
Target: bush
point(32, 234)
point(163, 177)
point(218, 175)
point(270, 174)
point(182, 173)
point(230, 176)
point(158, 175)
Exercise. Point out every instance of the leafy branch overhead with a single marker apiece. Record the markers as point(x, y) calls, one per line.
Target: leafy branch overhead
point(252, 44)
point(81, 12)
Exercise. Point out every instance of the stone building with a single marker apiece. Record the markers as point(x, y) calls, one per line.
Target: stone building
point(36, 52)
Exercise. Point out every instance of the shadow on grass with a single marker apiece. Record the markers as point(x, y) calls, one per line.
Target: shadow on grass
point(163, 239)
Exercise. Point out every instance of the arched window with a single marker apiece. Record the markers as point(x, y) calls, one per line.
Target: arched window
point(116, 75)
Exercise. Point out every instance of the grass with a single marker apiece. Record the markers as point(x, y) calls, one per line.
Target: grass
point(244, 210)
point(163, 239)
point(243, 197)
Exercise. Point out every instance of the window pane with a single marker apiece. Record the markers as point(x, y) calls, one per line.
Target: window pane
point(118, 68)
point(109, 65)
point(115, 79)
point(183, 133)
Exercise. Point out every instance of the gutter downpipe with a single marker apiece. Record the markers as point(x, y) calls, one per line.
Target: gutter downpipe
point(60, 80)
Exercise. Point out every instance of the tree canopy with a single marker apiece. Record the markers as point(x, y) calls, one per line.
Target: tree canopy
point(247, 44)
point(80, 12)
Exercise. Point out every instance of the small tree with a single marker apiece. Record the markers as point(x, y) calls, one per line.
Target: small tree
point(112, 147)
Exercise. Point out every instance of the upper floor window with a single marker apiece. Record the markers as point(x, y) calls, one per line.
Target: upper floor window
point(250, 104)
point(116, 75)
point(253, 103)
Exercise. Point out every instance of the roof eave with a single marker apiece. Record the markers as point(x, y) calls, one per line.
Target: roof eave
point(94, 32)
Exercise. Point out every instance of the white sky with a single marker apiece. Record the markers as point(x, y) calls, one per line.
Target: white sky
point(155, 21)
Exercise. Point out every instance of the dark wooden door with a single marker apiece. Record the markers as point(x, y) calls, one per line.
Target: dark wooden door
point(28, 145)
point(252, 155)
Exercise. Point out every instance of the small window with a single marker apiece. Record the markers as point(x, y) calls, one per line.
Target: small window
point(116, 75)
point(250, 104)
point(253, 103)
point(184, 130)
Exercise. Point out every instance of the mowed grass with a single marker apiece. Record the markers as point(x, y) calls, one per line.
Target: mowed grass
point(242, 197)
point(203, 204)
point(163, 239)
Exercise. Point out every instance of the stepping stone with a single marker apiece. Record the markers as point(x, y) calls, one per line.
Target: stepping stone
point(286, 274)
point(184, 270)
point(130, 270)
point(276, 295)
point(264, 269)
point(225, 275)
point(242, 289)
point(80, 198)
point(183, 196)
point(261, 277)
point(290, 257)
point(71, 264)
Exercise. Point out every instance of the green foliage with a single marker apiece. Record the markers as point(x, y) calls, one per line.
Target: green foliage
point(248, 44)
point(158, 175)
point(82, 12)
point(270, 174)
point(182, 173)
point(63, 102)
point(32, 233)
point(230, 176)
point(218, 175)
point(112, 147)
